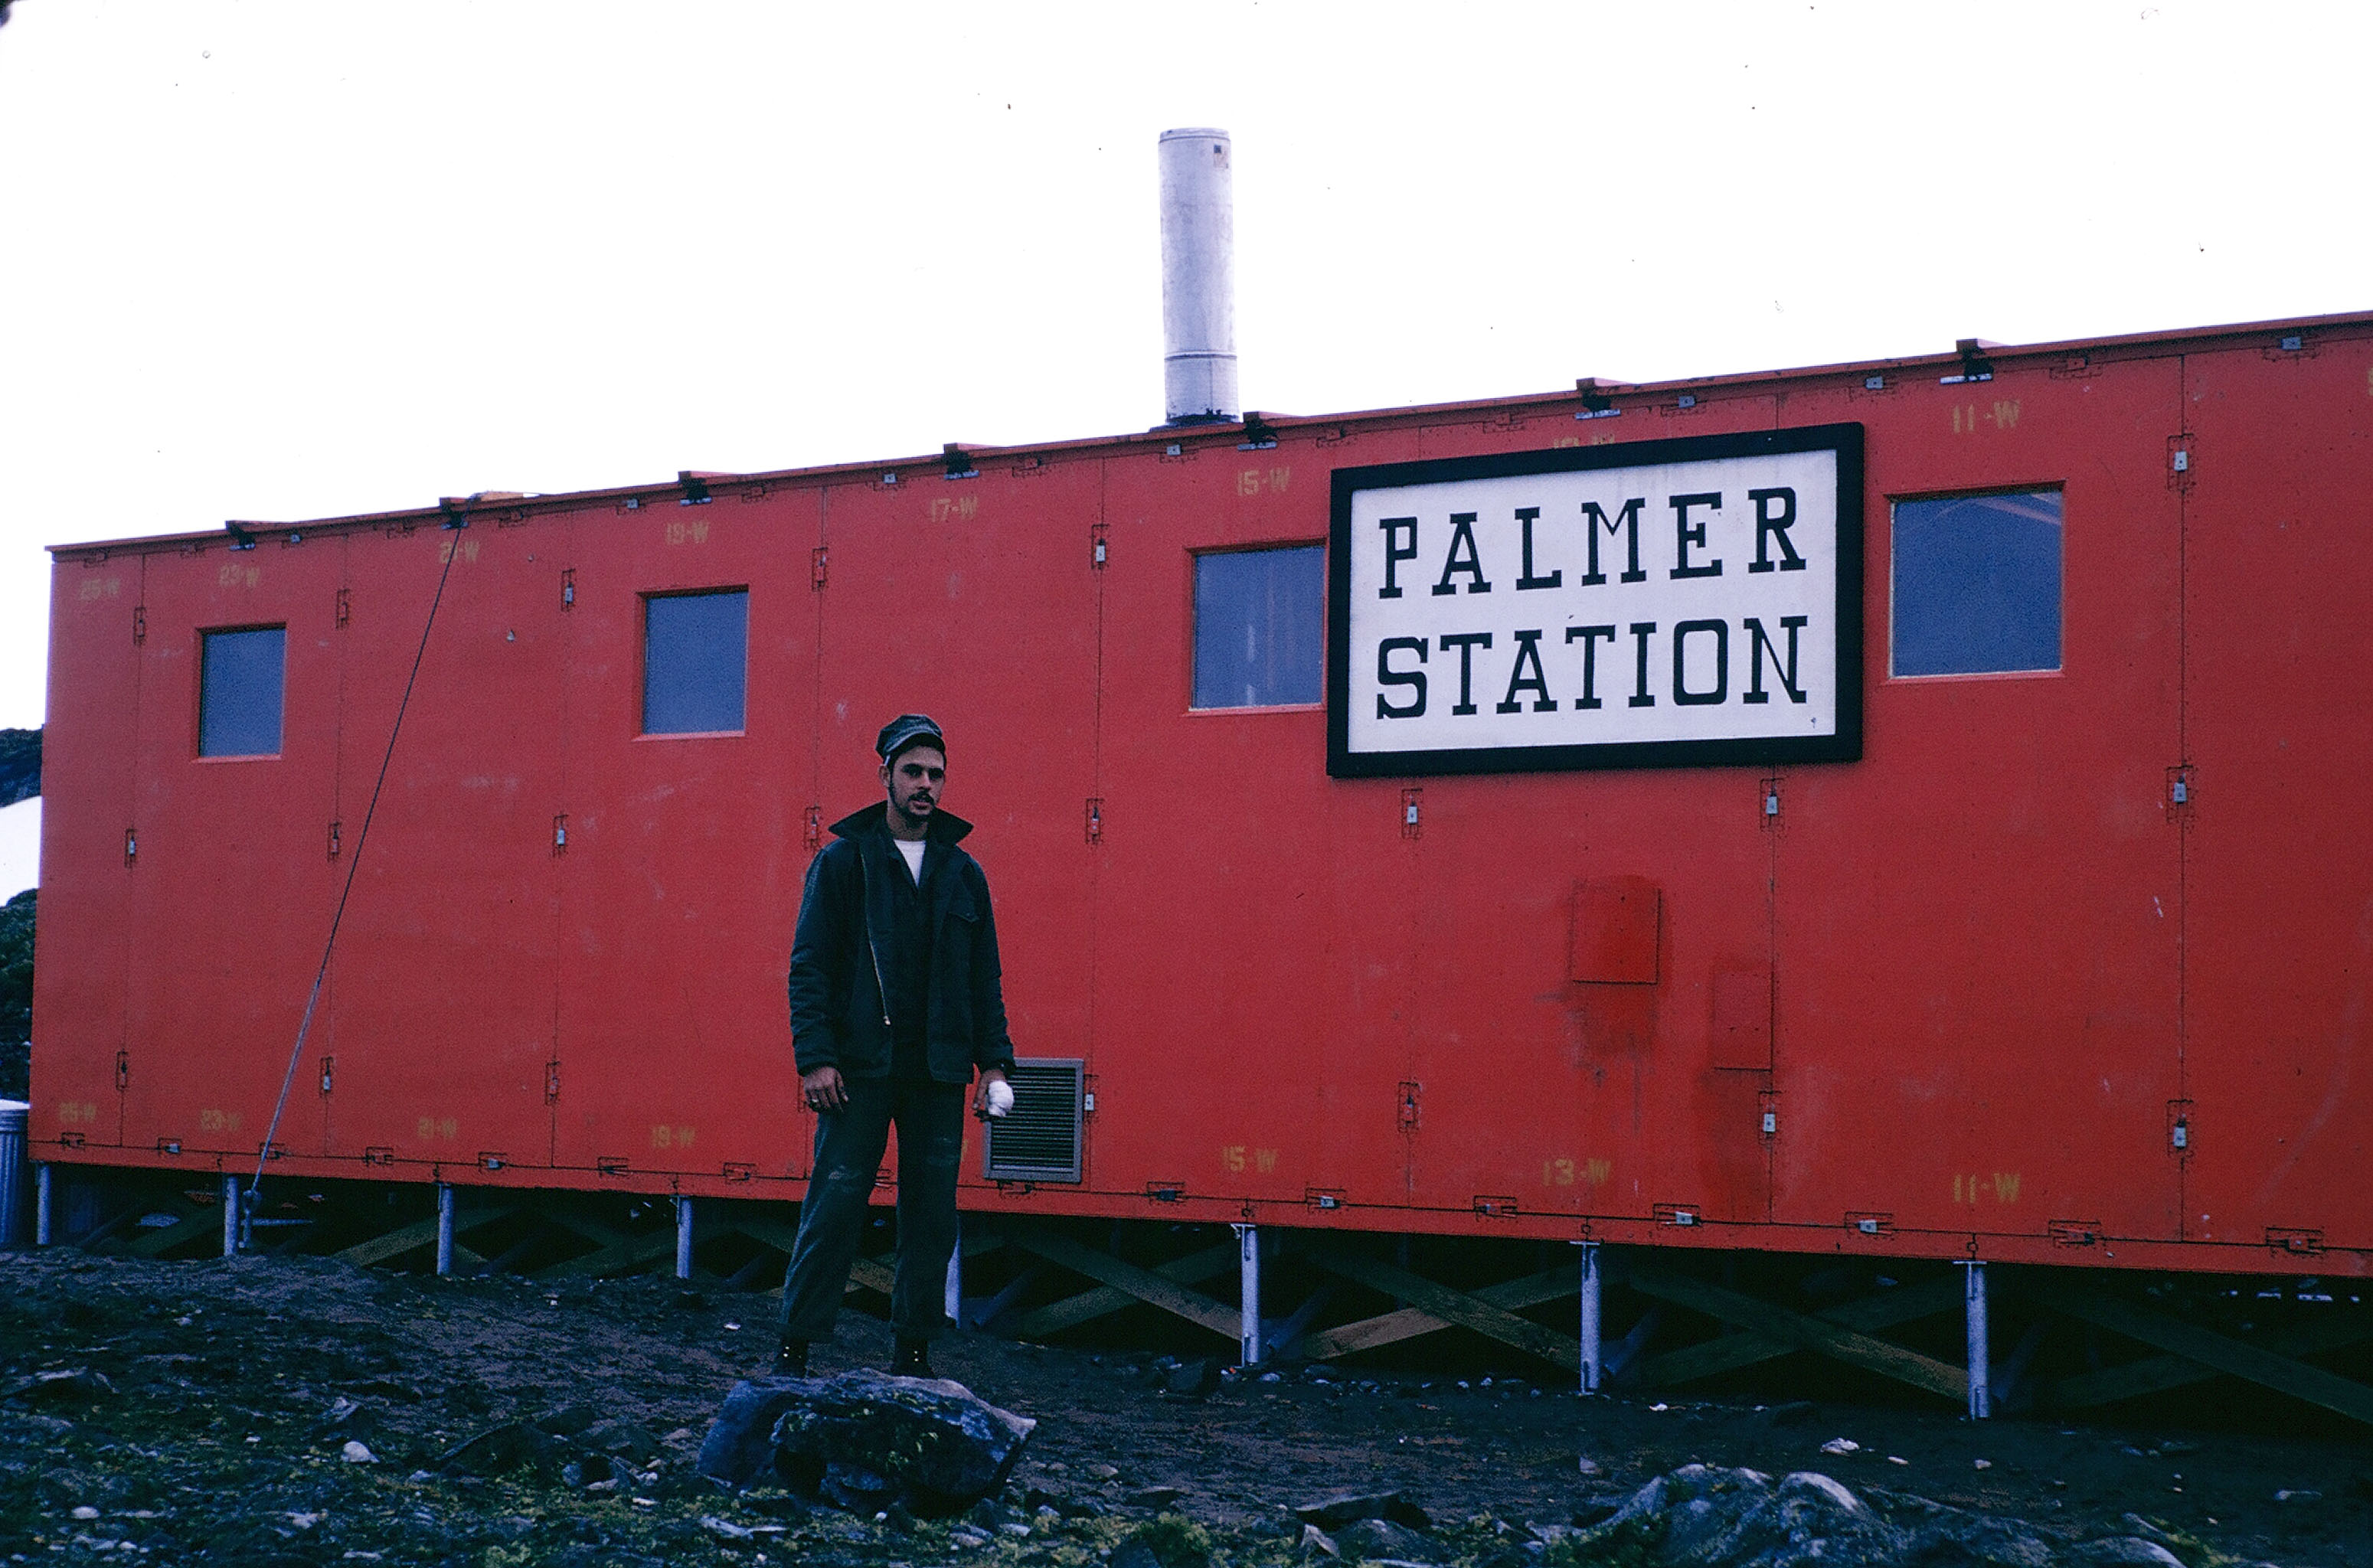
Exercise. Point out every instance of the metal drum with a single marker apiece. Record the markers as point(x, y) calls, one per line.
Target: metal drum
point(16, 1175)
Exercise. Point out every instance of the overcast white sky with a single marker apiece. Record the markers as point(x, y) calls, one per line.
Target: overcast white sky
point(282, 259)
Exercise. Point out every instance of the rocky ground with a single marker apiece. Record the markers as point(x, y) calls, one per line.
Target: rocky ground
point(293, 1411)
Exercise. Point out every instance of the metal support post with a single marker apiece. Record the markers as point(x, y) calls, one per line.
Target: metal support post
point(444, 1228)
point(231, 1216)
point(1974, 1303)
point(1592, 1365)
point(682, 1237)
point(1248, 1334)
point(41, 1222)
point(952, 1292)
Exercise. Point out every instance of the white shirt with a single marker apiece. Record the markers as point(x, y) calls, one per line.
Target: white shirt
point(912, 849)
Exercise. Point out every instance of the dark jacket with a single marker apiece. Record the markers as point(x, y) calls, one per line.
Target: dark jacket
point(837, 1009)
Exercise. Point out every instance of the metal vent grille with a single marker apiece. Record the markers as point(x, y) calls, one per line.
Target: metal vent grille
point(1039, 1138)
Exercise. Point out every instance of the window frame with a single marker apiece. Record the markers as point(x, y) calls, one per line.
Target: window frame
point(1195, 556)
point(2055, 488)
point(643, 602)
point(280, 721)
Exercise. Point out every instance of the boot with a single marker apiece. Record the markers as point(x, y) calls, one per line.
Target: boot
point(911, 1359)
point(791, 1360)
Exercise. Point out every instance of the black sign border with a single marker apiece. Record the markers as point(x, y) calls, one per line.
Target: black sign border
point(1845, 746)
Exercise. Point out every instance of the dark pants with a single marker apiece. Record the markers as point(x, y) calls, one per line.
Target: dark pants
point(849, 1142)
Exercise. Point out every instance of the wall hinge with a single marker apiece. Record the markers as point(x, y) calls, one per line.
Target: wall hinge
point(1770, 1099)
point(1095, 819)
point(2295, 1241)
point(610, 1164)
point(738, 1170)
point(131, 846)
point(380, 1154)
point(2179, 1127)
point(1408, 1093)
point(1495, 1207)
point(2178, 790)
point(1769, 801)
point(2073, 1232)
point(334, 839)
point(1871, 1224)
point(492, 1159)
point(139, 625)
point(560, 834)
point(814, 834)
point(1322, 1197)
point(1412, 812)
point(568, 588)
point(123, 1071)
point(345, 607)
point(1166, 1191)
point(2179, 461)
point(1675, 1214)
point(329, 1073)
point(551, 1081)
point(817, 567)
point(1097, 541)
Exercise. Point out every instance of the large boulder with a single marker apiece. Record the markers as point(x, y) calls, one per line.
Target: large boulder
point(864, 1440)
point(1705, 1516)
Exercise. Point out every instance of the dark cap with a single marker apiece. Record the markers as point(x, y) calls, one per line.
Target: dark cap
point(908, 730)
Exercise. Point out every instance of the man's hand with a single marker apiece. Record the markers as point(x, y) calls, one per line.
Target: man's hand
point(988, 1075)
point(823, 1089)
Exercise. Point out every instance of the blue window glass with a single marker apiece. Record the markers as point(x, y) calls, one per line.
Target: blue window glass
point(1260, 620)
point(1977, 584)
point(240, 677)
point(695, 662)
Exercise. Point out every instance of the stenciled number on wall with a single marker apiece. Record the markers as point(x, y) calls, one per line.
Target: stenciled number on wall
point(1656, 604)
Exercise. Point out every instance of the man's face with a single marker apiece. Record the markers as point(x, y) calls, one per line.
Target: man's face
point(915, 778)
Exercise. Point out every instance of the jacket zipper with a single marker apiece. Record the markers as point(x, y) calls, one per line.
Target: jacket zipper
point(865, 913)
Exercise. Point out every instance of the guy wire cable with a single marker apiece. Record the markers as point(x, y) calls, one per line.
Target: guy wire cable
point(455, 521)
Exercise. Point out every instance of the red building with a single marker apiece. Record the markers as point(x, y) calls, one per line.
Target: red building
point(2045, 935)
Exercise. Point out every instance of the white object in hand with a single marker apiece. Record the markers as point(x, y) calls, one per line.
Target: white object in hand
point(1000, 1096)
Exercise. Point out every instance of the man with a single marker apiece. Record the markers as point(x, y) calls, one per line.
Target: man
point(897, 996)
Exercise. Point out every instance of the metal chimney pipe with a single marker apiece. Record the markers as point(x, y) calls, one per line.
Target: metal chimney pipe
point(1199, 293)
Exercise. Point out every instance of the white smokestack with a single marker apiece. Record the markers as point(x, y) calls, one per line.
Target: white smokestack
point(1199, 290)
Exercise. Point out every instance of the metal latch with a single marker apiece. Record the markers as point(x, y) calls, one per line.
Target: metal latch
point(1408, 1092)
point(1411, 800)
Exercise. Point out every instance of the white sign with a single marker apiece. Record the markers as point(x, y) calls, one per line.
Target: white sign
point(1662, 603)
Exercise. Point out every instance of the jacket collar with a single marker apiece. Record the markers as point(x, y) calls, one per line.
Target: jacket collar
point(945, 826)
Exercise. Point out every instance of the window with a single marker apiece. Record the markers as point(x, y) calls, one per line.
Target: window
point(695, 662)
point(1259, 621)
point(240, 676)
point(1977, 584)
